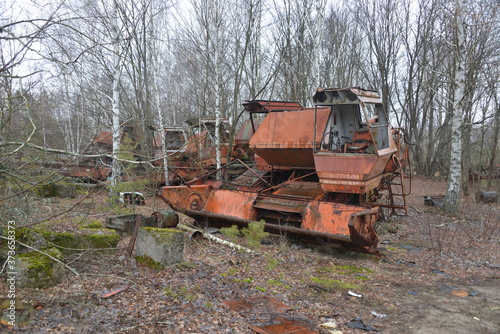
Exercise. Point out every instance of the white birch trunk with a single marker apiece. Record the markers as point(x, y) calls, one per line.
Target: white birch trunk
point(156, 67)
point(162, 132)
point(217, 91)
point(318, 38)
point(115, 167)
point(455, 173)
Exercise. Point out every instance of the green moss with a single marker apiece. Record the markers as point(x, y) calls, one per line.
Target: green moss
point(246, 280)
point(187, 265)
point(149, 262)
point(230, 272)
point(39, 270)
point(103, 240)
point(182, 292)
point(275, 282)
point(46, 190)
point(161, 235)
point(62, 239)
point(260, 289)
point(169, 292)
point(271, 263)
point(335, 284)
point(67, 241)
point(92, 224)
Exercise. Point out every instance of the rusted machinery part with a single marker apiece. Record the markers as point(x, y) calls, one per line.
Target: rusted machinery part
point(166, 218)
point(352, 243)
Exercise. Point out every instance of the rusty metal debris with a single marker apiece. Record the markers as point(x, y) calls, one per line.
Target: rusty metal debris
point(434, 200)
point(113, 292)
point(358, 323)
point(124, 225)
point(487, 197)
point(321, 173)
point(132, 197)
point(268, 315)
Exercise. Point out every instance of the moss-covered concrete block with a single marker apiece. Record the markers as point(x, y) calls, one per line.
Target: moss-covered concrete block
point(36, 270)
point(163, 246)
point(64, 190)
point(24, 235)
point(69, 242)
point(46, 190)
point(58, 189)
point(102, 240)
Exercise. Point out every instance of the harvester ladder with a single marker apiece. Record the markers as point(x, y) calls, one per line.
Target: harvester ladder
point(397, 195)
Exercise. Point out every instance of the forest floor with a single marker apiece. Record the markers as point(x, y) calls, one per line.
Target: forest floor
point(436, 274)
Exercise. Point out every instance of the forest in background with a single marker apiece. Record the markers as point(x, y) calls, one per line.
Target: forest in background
point(71, 69)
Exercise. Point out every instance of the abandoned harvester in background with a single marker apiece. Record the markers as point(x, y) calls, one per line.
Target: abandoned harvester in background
point(320, 174)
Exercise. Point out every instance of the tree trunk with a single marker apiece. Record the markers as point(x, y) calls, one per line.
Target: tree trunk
point(218, 90)
point(116, 169)
point(455, 173)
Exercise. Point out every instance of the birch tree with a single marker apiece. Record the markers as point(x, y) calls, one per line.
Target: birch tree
point(455, 170)
point(115, 101)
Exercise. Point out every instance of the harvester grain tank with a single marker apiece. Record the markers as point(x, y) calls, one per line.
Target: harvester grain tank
point(320, 171)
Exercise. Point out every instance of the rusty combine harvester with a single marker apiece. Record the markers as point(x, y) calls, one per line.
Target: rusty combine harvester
point(190, 153)
point(320, 174)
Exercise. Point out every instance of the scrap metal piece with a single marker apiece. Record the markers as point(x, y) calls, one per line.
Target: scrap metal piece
point(268, 315)
point(434, 200)
point(132, 197)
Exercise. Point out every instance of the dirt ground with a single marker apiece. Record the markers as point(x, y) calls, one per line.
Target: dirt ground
point(436, 274)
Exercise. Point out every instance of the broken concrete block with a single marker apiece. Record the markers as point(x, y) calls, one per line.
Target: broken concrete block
point(163, 246)
point(35, 270)
point(59, 189)
point(64, 190)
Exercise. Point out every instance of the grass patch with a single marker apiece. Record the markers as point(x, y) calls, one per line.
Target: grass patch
point(333, 284)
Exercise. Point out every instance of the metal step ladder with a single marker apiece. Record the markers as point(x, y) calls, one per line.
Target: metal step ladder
point(397, 196)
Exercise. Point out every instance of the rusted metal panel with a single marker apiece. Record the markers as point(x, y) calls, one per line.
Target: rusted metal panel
point(264, 106)
point(95, 172)
point(293, 147)
point(280, 204)
point(267, 315)
point(305, 190)
point(350, 95)
point(185, 197)
point(352, 173)
point(231, 203)
point(334, 218)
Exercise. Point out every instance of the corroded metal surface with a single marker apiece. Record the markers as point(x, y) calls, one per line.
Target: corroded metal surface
point(326, 167)
point(286, 139)
point(268, 315)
